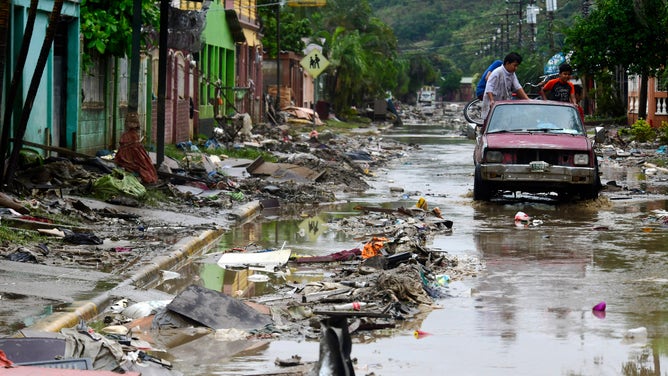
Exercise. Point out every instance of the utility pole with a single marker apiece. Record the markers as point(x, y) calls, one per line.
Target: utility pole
point(532, 13)
point(586, 4)
point(520, 13)
point(507, 15)
point(551, 7)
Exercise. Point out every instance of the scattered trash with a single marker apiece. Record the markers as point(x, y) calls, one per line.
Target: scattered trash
point(266, 260)
point(216, 310)
point(4, 362)
point(443, 279)
point(636, 334)
point(422, 204)
point(373, 248)
point(166, 275)
point(355, 306)
point(32, 349)
point(294, 360)
point(258, 278)
point(418, 334)
point(522, 219)
point(143, 309)
point(120, 182)
point(599, 307)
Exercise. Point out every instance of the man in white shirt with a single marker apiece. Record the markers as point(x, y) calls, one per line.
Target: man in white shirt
point(502, 83)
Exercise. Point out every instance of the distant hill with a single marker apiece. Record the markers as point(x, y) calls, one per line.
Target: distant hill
point(472, 33)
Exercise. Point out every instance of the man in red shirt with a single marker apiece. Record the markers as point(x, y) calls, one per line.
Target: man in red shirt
point(560, 88)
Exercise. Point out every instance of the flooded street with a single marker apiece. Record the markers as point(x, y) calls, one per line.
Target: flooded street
point(529, 312)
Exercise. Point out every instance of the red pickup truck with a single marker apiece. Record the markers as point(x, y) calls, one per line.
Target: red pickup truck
point(534, 146)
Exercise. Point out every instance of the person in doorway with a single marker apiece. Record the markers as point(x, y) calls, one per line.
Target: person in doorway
point(480, 89)
point(561, 88)
point(502, 83)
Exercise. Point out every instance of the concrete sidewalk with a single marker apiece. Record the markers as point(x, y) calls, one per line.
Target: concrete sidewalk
point(137, 287)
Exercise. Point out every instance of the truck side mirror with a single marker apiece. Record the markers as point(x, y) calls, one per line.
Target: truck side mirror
point(599, 135)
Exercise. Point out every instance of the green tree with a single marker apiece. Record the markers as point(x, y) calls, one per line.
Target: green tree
point(106, 26)
point(422, 72)
point(362, 51)
point(451, 77)
point(347, 57)
point(636, 41)
point(295, 26)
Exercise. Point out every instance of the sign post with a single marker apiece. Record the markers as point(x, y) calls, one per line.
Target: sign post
point(314, 63)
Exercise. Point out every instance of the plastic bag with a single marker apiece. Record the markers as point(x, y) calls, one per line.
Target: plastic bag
point(119, 182)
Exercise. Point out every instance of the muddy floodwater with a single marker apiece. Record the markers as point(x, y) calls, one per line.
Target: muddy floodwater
point(529, 312)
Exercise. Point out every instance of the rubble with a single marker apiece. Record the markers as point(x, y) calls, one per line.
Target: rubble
point(393, 277)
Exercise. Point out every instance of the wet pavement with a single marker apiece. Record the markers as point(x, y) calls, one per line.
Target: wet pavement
point(528, 312)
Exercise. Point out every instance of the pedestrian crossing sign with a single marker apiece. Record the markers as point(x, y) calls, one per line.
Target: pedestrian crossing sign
point(314, 63)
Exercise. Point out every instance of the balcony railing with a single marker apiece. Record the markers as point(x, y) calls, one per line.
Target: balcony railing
point(657, 101)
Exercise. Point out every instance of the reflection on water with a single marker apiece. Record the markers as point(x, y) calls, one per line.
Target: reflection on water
point(310, 235)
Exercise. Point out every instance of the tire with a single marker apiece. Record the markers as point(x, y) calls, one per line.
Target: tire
point(473, 112)
point(481, 190)
point(591, 192)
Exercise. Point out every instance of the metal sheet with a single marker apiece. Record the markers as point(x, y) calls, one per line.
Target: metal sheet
point(24, 350)
point(216, 310)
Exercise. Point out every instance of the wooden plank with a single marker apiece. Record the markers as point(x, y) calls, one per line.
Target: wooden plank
point(57, 149)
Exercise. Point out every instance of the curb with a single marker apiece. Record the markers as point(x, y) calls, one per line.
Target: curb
point(245, 211)
point(87, 310)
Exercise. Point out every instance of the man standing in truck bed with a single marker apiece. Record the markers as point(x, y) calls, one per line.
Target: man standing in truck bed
point(502, 83)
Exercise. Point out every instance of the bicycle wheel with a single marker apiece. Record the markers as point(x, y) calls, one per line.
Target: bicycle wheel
point(473, 111)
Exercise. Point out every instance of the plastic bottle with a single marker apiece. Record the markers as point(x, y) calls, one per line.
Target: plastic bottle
point(355, 306)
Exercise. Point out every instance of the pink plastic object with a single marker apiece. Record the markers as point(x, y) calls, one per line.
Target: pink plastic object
point(599, 307)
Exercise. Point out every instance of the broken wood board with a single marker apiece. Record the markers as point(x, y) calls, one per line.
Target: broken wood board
point(283, 171)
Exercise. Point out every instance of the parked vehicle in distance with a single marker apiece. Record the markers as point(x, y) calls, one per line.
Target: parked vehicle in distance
point(427, 95)
point(534, 147)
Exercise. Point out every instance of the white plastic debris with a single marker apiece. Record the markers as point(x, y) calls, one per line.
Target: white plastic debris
point(639, 333)
point(143, 309)
point(522, 219)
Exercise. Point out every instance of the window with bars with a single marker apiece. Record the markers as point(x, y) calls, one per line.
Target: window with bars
point(662, 80)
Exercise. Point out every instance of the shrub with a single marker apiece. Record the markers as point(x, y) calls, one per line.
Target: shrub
point(662, 133)
point(642, 131)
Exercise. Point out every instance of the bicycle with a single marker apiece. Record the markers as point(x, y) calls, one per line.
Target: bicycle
point(531, 90)
point(473, 111)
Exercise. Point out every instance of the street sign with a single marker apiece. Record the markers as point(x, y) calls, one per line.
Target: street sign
point(314, 63)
